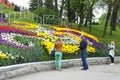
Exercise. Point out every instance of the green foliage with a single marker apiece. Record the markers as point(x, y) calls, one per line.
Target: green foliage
point(99, 53)
point(49, 15)
point(40, 11)
point(49, 4)
point(44, 55)
point(18, 55)
point(34, 4)
point(23, 40)
point(34, 54)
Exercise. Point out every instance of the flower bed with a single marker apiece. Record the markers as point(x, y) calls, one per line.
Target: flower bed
point(19, 46)
point(70, 38)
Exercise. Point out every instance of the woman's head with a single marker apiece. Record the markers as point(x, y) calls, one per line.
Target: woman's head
point(58, 40)
point(112, 42)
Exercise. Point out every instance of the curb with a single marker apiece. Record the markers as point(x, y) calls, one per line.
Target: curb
point(11, 71)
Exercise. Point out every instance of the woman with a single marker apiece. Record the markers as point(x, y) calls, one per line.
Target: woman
point(111, 51)
point(58, 54)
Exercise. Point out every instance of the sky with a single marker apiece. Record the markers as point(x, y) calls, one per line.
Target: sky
point(22, 3)
point(98, 12)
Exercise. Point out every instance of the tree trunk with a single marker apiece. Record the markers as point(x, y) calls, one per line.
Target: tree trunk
point(107, 19)
point(61, 9)
point(90, 27)
point(113, 22)
point(69, 13)
point(86, 20)
point(56, 5)
point(81, 14)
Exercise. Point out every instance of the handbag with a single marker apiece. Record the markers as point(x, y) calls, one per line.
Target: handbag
point(53, 52)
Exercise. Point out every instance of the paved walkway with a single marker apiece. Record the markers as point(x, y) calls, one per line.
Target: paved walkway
point(95, 72)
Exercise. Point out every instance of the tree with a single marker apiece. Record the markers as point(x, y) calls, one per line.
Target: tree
point(113, 7)
point(69, 12)
point(17, 8)
point(56, 5)
point(92, 3)
point(107, 19)
point(73, 11)
point(113, 21)
point(81, 8)
point(49, 4)
point(34, 4)
point(61, 9)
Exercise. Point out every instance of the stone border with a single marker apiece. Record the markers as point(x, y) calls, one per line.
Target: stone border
point(11, 71)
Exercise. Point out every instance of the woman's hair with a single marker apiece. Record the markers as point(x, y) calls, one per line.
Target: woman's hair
point(112, 42)
point(58, 39)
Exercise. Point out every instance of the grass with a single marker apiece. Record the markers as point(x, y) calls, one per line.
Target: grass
point(26, 20)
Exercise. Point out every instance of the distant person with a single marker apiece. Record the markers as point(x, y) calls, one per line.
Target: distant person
point(58, 54)
point(111, 48)
point(83, 51)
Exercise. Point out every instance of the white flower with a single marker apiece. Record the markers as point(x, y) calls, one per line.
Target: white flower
point(0, 51)
point(12, 57)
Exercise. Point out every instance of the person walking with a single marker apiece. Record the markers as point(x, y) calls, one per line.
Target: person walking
point(83, 51)
point(58, 54)
point(111, 48)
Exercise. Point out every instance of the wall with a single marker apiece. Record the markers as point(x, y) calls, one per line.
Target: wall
point(27, 68)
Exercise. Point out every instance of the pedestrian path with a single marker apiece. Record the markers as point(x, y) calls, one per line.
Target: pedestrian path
point(95, 72)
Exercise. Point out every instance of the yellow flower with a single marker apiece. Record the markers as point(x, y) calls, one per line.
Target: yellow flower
point(48, 45)
point(66, 48)
point(3, 56)
point(91, 49)
point(24, 25)
point(80, 32)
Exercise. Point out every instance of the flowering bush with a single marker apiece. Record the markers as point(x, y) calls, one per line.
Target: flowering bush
point(24, 25)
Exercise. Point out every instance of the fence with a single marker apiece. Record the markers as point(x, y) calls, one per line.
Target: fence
point(15, 16)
